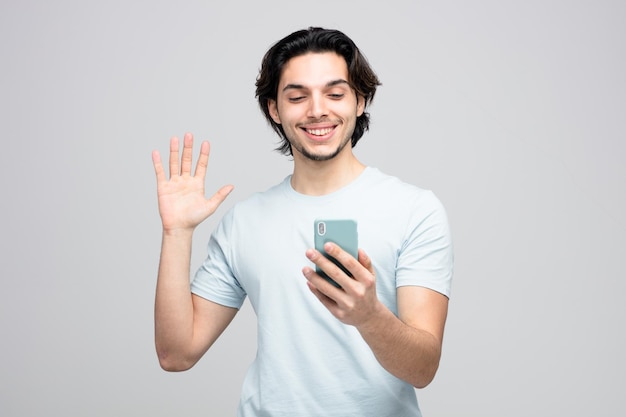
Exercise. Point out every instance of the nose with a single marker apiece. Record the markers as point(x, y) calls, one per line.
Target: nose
point(317, 107)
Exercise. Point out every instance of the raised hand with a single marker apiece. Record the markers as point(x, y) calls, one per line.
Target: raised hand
point(182, 202)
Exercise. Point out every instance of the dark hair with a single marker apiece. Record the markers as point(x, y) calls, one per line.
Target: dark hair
point(361, 77)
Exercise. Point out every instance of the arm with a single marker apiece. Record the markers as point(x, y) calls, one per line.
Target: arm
point(407, 346)
point(185, 325)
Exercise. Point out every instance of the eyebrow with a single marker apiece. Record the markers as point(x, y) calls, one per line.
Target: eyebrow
point(302, 87)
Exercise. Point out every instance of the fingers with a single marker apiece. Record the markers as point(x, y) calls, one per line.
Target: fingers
point(329, 268)
point(343, 257)
point(203, 160)
point(186, 160)
point(158, 166)
point(356, 300)
point(361, 269)
point(366, 261)
point(174, 156)
point(326, 300)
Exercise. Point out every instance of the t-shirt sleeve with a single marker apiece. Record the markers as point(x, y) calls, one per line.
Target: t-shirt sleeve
point(426, 258)
point(215, 280)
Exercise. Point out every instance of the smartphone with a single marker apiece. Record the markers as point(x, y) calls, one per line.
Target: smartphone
point(342, 232)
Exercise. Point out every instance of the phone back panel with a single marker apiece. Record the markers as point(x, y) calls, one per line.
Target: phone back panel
point(342, 232)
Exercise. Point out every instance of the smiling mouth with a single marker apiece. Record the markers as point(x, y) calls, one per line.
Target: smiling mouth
point(320, 132)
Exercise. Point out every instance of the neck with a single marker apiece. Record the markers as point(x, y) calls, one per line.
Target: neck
point(324, 177)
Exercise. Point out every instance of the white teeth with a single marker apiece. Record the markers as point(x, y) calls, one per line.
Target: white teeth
point(319, 132)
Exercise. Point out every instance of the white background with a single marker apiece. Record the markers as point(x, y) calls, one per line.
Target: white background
point(513, 112)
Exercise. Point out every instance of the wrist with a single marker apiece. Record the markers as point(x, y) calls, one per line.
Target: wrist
point(377, 320)
point(169, 232)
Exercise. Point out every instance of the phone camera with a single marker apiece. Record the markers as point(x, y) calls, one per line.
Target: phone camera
point(321, 228)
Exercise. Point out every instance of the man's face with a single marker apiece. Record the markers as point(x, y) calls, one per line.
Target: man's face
point(316, 106)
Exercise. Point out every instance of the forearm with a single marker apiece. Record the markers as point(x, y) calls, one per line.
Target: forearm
point(406, 352)
point(173, 313)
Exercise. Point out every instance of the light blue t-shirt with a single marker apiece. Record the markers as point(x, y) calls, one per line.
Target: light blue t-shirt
point(308, 363)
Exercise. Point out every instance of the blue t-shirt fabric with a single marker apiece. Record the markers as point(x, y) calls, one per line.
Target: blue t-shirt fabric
point(308, 363)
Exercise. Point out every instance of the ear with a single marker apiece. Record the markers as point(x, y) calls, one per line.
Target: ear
point(360, 105)
point(273, 109)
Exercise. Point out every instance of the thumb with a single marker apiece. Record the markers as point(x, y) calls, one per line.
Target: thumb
point(219, 197)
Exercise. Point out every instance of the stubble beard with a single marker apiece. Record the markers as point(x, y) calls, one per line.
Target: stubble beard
point(321, 157)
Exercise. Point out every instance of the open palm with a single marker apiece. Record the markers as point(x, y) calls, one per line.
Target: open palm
point(182, 203)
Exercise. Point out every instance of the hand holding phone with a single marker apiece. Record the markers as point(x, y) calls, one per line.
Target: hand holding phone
point(342, 232)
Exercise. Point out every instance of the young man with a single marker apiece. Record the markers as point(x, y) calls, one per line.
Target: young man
point(357, 349)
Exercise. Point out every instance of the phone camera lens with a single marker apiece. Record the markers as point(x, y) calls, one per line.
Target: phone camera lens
point(321, 228)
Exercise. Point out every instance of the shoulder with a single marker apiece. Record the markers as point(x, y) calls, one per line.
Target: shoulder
point(398, 191)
